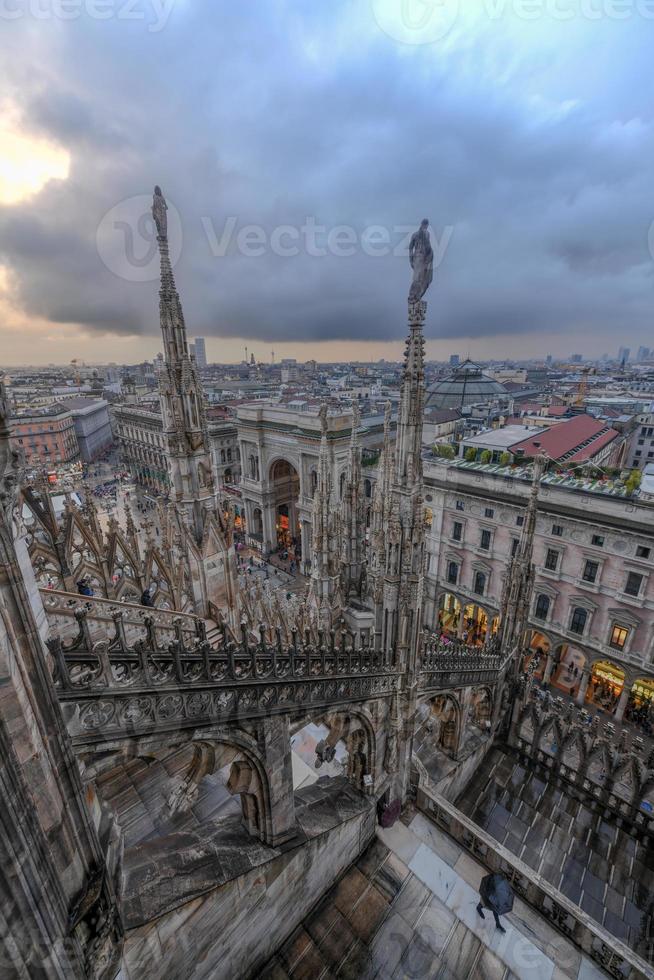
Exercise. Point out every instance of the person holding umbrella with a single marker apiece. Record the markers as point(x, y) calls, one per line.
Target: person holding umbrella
point(496, 895)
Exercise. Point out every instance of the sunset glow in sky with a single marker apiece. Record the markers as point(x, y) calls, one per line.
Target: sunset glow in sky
point(524, 132)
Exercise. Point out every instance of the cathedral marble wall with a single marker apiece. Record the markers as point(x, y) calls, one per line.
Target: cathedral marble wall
point(233, 930)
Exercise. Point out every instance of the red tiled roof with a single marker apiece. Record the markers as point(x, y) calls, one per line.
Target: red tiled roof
point(555, 410)
point(574, 440)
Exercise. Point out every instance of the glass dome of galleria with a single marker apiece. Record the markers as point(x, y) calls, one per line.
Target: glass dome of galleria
point(467, 386)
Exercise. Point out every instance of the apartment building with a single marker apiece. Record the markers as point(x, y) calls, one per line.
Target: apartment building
point(592, 613)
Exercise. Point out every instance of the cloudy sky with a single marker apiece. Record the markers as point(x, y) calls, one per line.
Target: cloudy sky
point(296, 143)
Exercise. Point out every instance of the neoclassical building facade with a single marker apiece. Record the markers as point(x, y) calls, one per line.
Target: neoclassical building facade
point(279, 459)
point(591, 614)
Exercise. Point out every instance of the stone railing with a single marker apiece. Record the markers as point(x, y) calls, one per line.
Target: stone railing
point(563, 740)
point(86, 664)
point(451, 663)
point(606, 950)
point(109, 689)
point(62, 610)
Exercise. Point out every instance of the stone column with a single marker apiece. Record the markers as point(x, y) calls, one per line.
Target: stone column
point(268, 516)
point(549, 666)
point(622, 703)
point(275, 742)
point(306, 549)
point(583, 687)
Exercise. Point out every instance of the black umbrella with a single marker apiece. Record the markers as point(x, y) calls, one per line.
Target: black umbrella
point(496, 893)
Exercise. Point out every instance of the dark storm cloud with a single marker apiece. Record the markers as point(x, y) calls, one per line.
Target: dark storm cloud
point(541, 178)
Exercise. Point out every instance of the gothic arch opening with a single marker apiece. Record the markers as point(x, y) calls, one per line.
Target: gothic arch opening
point(207, 787)
point(337, 744)
point(437, 726)
point(481, 708)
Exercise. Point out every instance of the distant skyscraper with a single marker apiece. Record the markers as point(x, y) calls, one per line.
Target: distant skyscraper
point(200, 353)
point(549, 359)
point(643, 353)
point(576, 358)
point(454, 360)
point(623, 354)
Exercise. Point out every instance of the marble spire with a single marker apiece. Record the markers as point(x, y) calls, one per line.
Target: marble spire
point(353, 514)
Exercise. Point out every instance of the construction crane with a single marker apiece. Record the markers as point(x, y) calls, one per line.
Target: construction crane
point(582, 390)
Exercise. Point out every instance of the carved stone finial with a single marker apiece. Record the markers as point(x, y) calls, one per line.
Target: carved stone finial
point(322, 414)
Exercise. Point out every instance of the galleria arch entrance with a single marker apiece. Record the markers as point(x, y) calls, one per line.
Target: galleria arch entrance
point(284, 484)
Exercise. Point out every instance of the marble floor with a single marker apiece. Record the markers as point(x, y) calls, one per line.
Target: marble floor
point(407, 909)
point(593, 862)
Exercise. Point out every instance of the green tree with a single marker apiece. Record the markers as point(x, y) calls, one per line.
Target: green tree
point(486, 456)
point(505, 459)
point(471, 454)
point(633, 481)
point(444, 451)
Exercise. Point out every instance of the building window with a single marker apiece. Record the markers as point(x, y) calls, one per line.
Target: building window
point(460, 505)
point(520, 520)
point(590, 571)
point(542, 607)
point(551, 560)
point(452, 572)
point(634, 582)
point(457, 531)
point(557, 530)
point(514, 546)
point(578, 621)
point(619, 636)
point(642, 551)
point(489, 512)
point(485, 540)
point(597, 540)
point(479, 583)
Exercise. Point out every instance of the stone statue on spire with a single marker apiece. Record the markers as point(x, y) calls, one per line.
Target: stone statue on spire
point(159, 208)
point(421, 257)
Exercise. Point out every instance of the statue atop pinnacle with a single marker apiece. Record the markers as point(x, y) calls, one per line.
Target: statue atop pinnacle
point(421, 257)
point(159, 208)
